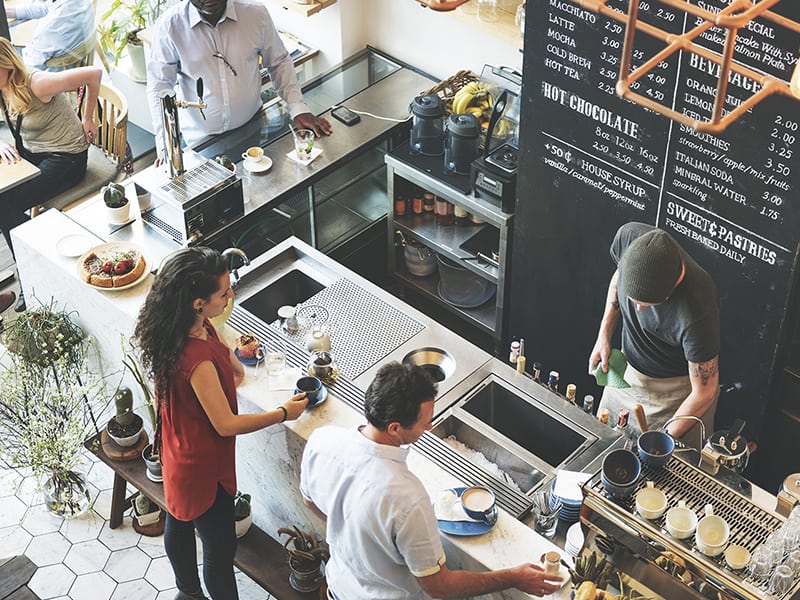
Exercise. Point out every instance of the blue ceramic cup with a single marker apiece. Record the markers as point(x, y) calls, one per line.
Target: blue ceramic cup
point(655, 447)
point(312, 388)
point(478, 502)
point(620, 472)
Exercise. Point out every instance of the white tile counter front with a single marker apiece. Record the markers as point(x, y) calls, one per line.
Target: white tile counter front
point(268, 461)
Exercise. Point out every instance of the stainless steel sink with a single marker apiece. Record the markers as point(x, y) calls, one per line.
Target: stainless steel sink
point(523, 471)
point(545, 435)
point(290, 289)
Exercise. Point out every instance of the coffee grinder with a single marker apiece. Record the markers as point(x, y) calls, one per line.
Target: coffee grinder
point(494, 175)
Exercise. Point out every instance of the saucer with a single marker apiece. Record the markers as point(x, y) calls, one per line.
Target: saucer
point(323, 395)
point(467, 527)
point(74, 244)
point(258, 166)
point(251, 361)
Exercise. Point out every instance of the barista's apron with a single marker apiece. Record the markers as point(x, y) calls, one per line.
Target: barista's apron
point(660, 398)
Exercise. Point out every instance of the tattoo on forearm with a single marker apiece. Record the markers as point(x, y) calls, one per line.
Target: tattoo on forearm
point(705, 371)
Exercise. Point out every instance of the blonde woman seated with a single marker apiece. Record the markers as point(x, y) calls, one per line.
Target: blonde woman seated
point(46, 132)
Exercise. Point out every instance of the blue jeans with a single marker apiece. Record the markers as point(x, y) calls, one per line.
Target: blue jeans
point(60, 171)
point(217, 532)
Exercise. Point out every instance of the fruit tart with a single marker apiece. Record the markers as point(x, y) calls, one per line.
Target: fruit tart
point(112, 267)
point(248, 346)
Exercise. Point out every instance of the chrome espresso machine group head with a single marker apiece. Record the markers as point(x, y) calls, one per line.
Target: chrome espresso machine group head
point(191, 205)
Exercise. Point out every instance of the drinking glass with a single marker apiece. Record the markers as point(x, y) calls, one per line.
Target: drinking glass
point(781, 580)
point(487, 11)
point(760, 563)
point(303, 144)
point(793, 562)
point(545, 513)
point(276, 358)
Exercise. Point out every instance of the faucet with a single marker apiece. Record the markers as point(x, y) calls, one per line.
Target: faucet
point(172, 130)
point(235, 271)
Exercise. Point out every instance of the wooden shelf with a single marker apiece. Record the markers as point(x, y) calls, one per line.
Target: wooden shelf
point(503, 27)
point(306, 9)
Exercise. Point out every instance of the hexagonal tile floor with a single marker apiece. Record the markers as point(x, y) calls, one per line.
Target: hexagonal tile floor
point(83, 558)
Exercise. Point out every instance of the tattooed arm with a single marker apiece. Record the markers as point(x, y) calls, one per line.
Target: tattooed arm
point(704, 377)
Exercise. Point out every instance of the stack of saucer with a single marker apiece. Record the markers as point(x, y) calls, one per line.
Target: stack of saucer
point(574, 542)
point(570, 508)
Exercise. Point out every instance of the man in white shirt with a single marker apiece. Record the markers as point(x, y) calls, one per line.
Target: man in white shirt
point(381, 526)
point(64, 25)
point(221, 41)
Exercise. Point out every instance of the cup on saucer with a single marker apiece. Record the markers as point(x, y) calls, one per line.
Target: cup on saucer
point(252, 157)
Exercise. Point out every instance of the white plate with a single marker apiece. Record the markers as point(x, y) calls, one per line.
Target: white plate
point(114, 247)
point(258, 166)
point(74, 245)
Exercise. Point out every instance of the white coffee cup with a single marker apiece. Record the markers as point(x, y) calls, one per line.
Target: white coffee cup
point(651, 502)
point(681, 521)
point(253, 155)
point(712, 533)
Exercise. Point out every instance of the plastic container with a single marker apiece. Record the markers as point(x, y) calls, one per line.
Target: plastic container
point(460, 287)
point(461, 145)
point(419, 259)
point(427, 131)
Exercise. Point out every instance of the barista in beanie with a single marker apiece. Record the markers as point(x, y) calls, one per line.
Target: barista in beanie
point(670, 332)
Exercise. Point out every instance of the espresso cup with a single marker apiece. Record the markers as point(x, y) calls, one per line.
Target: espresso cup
point(712, 533)
point(651, 502)
point(681, 521)
point(479, 503)
point(312, 387)
point(253, 154)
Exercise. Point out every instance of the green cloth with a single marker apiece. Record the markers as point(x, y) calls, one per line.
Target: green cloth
point(616, 371)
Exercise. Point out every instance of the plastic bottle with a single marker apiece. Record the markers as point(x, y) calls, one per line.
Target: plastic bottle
point(552, 380)
point(571, 392)
point(513, 354)
point(588, 403)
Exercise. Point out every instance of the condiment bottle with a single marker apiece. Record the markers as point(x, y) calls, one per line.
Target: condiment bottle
point(441, 210)
point(521, 358)
point(462, 216)
point(399, 206)
point(513, 355)
point(571, 392)
point(588, 403)
point(537, 371)
point(552, 380)
point(428, 201)
point(552, 563)
point(417, 202)
point(602, 415)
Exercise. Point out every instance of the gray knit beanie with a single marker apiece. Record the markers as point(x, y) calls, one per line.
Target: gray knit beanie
point(650, 267)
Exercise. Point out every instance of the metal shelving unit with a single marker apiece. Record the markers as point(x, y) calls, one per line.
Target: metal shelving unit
point(452, 242)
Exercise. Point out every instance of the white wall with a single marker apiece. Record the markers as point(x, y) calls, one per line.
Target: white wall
point(434, 42)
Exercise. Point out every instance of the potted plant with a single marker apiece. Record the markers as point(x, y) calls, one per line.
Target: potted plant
point(117, 205)
point(126, 426)
point(47, 394)
point(150, 453)
point(226, 162)
point(145, 511)
point(242, 513)
point(119, 27)
point(306, 556)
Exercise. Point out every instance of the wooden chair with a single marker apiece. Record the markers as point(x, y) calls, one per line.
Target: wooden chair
point(107, 152)
point(81, 56)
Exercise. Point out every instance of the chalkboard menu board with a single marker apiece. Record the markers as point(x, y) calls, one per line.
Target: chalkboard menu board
point(591, 161)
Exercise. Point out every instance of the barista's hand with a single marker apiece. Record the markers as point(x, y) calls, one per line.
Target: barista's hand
point(295, 406)
point(600, 354)
point(319, 126)
point(532, 579)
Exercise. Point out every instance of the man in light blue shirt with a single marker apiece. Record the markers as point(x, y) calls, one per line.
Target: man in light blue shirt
point(381, 526)
point(64, 25)
point(221, 41)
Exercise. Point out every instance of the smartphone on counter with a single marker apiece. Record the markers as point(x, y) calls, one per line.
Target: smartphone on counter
point(345, 115)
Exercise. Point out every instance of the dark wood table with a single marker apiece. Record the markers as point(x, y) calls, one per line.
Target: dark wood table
point(258, 556)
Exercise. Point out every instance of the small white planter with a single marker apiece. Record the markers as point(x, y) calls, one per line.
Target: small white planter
point(119, 216)
point(243, 525)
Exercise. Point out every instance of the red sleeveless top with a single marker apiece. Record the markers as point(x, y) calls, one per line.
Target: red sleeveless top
point(194, 457)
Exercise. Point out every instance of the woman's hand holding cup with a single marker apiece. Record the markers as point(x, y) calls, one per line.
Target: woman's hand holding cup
point(295, 406)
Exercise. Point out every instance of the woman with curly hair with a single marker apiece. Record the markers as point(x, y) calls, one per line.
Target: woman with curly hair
point(46, 130)
point(195, 375)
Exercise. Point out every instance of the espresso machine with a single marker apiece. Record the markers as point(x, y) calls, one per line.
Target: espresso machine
point(189, 205)
point(670, 568)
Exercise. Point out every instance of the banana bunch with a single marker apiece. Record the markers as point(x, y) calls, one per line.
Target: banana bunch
point(473, 99)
